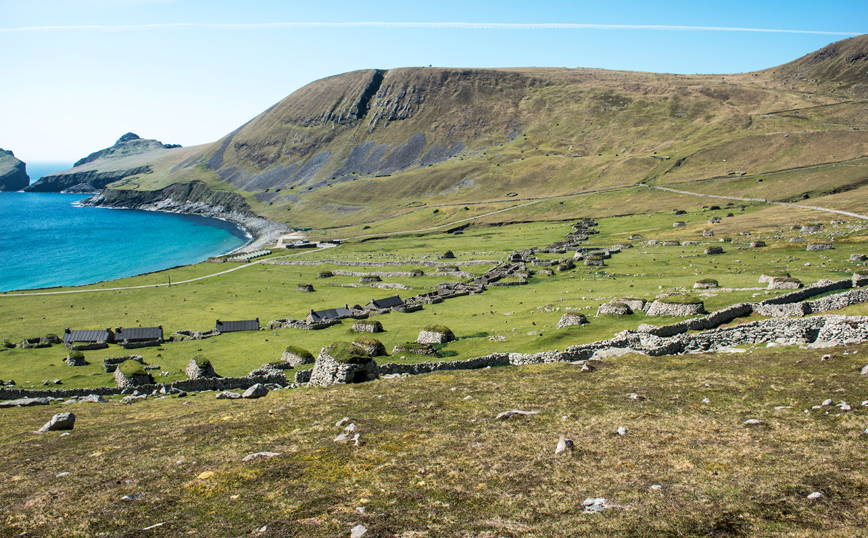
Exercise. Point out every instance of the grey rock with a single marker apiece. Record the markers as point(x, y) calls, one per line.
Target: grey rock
point(358, 531)
point(60, 421)
point(864, 370)
point(564, 445)
point(514, 412)
point(260, 455)
point(227, 395)
point(24, 402)
point(256, 391)
point(93, 398)
point(815, 495)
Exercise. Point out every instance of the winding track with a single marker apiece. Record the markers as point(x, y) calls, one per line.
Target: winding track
point(534, 201)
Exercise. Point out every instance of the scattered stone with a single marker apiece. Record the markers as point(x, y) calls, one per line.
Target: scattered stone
point(358, 531)
point(752, 422)
point(260, 455)
point(858, 257)
point(815, 495)
point(24, 402)
point(514, 412)
point(256, 391)
point(614, 308)
point(227, 395)
point(594, 505)
point(93, 398)
point(864, 370)
point(134, 497)
point(828, 401)
point(564, 445)
point(622, 431)
point(60, 421)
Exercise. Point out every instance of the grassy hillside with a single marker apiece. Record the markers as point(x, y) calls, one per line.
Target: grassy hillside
point(361, 146)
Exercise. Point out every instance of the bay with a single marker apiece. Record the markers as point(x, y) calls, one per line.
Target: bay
point(46, 240)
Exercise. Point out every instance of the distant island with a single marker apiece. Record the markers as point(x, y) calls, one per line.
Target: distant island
point(13, 172)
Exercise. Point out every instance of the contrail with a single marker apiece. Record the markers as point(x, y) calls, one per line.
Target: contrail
point(431, 25)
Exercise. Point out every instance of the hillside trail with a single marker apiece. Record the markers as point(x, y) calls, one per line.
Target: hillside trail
point(826, 209)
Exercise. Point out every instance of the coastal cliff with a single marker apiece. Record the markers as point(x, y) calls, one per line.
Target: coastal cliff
point(86, 181)
point(194, 198)
point(13, 173)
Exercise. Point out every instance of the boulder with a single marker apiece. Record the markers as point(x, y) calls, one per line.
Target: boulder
point(819, 246)
point(60, 421)
point(256, 391)
point(858, 257)
point(706, 283)
point(714, 250)
point(307, 288)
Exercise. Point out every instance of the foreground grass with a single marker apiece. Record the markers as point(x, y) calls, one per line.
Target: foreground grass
point(435, 462)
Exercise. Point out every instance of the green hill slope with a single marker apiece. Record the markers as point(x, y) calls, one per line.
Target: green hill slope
point(369, 145)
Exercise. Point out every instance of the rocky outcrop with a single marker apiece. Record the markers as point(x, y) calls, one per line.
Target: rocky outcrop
point(128, 144)
point(13, 173)
point(84, 181)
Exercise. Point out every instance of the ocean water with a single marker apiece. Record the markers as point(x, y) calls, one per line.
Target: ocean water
point(46, 240)
point(43, 168)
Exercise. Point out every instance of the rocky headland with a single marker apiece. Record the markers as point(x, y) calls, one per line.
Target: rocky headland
point(13, 173)
point(101, 168)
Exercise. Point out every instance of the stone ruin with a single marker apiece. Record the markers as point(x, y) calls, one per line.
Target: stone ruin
point(714, 250)
point(707, 233)
point(133, 381)
point(661, 308)
point(614, 308)
point(679, 224)
point(369, 279)
point(297, 356)
point(758, 244)
point(75, 358)
point(199, 368)
point(307, 288)
point(671, 243)
point(367, 326)
point(705, 284)
point(416, 349)
point(435, 335)
point(858, 257)
point(330, 370)
point(571, 318)
point(784, 283)
point(819, 246)
point(184, 336)
point(372, 346)
point(111, 364)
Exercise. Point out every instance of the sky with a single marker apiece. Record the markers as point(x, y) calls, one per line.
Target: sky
point(78, 74)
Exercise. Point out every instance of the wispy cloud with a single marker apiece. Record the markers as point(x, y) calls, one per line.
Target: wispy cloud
point(431, 25)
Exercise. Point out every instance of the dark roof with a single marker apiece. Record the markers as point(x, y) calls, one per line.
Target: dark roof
point(236, 326)
point(388, 302)
point(91, 335)
point(138, 334)
point(331, 313)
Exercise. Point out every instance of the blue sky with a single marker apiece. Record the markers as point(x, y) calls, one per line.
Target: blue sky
point(80, 73)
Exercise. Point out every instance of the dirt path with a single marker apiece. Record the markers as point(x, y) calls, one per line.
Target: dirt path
point(815, 208)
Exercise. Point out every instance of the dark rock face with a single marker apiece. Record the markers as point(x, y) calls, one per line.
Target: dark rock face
point(88, 181)
point(13, 173)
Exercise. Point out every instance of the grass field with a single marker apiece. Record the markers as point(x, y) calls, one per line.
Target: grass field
point(435, 462)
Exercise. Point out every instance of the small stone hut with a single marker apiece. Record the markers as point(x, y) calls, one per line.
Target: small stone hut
point(435, 334)
point(343, 363)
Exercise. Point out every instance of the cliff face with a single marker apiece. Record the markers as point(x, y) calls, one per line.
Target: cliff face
point(87, 181)
point(194, 197)
point(13, 173)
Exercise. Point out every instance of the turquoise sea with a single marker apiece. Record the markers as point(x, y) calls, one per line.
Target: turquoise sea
point(47, 240)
